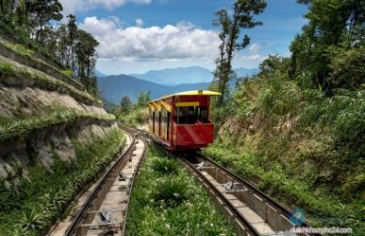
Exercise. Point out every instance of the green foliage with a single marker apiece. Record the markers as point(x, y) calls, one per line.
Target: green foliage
point(20, 128)
point(348, 69)
point(330, 48)
point(125, 104)
point(164, 166)
point(322, 210)
point(29, 23)
point(23, 51)
point(136, 116)
point(53, 84)
point(7, 69)
point(32, 205)
point(173, 204)
point(143, 99)
point(170, 192)
point(67, 72)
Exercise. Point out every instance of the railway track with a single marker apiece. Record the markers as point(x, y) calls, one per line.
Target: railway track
point(104, 213)
point(253, 212)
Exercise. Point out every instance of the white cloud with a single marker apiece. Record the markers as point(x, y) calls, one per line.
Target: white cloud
point(183, 41)
point(139, 22)
point(251, 59)
point(72, 6)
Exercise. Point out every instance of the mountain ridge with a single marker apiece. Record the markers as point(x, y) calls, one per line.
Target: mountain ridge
point(186, 75)
point(116, 86)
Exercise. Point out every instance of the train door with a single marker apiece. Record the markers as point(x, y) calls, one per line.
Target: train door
point(168, 126)
point(159, 123)
point(153, 122)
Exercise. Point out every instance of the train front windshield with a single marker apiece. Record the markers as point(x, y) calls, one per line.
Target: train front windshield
point(191, 115)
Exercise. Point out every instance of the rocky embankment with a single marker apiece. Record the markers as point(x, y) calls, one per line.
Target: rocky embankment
point(47, 120)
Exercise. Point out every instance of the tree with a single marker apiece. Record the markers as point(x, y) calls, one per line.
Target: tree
point(333, 29)
point(143, 99)
point(231, 40)
point(125, 104)
point(71, 40)
point(85, 51)
point(41, 12)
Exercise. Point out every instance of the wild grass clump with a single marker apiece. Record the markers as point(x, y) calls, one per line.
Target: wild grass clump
point(170, 192)
point(322, 210)
point(32, 205)
point(20, 128)
point(165, 166)
point(136, 117)
point(173, 204)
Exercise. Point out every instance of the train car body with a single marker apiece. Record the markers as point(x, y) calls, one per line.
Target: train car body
point(181, 121)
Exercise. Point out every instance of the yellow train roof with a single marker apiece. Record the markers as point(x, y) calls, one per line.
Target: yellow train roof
point(191, 93)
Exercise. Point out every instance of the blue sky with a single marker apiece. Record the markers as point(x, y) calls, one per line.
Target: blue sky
point(140, 35)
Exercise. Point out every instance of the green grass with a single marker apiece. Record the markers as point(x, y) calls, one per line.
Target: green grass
point(34, 204)
point(7, 69)
point(136, 117)
point(172, 202)
point(20, 128)
point(68, 73)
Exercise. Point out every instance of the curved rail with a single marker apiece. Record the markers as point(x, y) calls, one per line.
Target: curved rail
point(144, 154)
point(74, 228)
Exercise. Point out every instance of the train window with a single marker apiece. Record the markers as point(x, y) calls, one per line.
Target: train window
point(191, 115)
point(203, 114)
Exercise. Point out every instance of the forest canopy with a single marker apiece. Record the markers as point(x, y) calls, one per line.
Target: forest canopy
point(36, 24)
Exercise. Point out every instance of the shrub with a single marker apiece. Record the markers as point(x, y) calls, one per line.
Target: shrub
point(165, 166)
point(171, 192)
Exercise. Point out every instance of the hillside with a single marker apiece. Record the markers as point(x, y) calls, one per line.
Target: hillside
point(186, 75)
point(55, 138)
point(297, 128)
point(115, 87)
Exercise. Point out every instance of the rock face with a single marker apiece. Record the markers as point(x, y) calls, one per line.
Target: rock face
point(27, 102)
point(23, 98)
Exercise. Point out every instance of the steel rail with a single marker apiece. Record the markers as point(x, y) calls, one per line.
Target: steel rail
point(253, 188)
point(247, 227)
point(144, 154)
point(72, 229)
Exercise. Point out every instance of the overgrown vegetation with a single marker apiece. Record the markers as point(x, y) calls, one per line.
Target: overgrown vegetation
point(29, 23)
point(20, 128)
point(133, 114)
point(172, 202)
point(22, 73)
point(299, 124)
point(36, 198)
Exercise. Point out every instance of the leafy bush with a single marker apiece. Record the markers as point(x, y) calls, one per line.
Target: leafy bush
point(164, 166)
point(171, 192)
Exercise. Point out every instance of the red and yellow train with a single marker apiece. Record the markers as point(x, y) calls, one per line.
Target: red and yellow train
point(181, 121)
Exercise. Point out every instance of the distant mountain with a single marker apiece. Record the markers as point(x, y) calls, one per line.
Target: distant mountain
point(179, 75)
point(98, 74)
point(116, 86)
point(185, 75)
